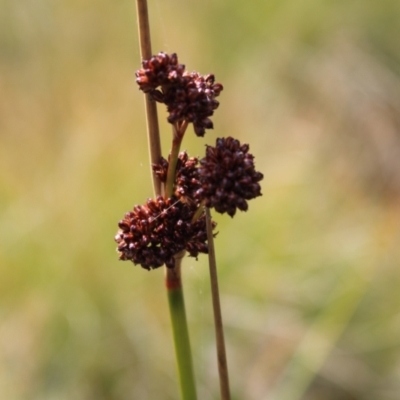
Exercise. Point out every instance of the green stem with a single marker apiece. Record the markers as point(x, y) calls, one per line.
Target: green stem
point(180, 330)
point(199, 212)
point(178, 133)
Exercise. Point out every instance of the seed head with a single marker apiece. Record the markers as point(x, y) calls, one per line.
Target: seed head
point(188, 96)
point(187, 176)
point(159, 70)
point(151, 234)
point(228, 177)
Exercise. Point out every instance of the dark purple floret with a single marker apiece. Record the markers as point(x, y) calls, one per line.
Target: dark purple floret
point(228, 177)
point(187, 176)
point(159, 70)
point(153, 233)
point(188, 96)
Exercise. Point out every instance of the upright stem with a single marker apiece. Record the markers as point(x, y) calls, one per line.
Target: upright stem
point(178, 131)
point(173, 159)
point(219, 331)
point(150, 105)
point(173, 275)
point(183, 352)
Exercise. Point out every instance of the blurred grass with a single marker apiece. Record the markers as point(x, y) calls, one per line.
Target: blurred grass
point(309, 276)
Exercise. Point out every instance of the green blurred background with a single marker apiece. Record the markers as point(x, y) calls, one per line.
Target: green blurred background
point(309, 276)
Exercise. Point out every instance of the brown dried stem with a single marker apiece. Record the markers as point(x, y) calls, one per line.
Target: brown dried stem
point(150, 105)
point(219, 331)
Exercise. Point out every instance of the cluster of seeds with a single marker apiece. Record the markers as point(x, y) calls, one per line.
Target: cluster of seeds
point(153, 233)
point(188, 96)
point(228, 177)
point(160, 70)
point(187, 181)
point(225, 179)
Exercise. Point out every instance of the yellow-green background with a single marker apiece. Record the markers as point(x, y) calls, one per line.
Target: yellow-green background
point(309, 276)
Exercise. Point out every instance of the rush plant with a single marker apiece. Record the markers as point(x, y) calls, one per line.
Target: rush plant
point(177, 220)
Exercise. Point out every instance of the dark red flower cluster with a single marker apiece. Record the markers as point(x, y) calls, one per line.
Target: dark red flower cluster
point(187, 176)
point(152, 234)
point(225, 179)
point(228, 177)
point(160, 70)
point(188, 96)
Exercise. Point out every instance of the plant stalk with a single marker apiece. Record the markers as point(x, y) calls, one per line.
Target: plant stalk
point(219, 331)
point(172, 275)
point(153, 133)
point(180, 331)
point(178, 131)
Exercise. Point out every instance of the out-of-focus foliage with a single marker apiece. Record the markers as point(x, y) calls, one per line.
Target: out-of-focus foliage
point(309, 276)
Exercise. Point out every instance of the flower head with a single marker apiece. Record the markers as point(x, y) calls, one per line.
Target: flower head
point(188, 96)
point(228, 177)
point(153, 233)
point(187, 175)
point(159, 70)
point(193, 100)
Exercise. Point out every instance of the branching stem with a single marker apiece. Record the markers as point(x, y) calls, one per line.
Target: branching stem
point(219, 331)
point(178, 131)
